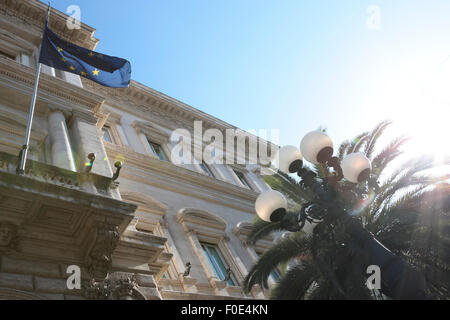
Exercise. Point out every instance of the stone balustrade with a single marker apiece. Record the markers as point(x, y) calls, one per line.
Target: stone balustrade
point(87, 182)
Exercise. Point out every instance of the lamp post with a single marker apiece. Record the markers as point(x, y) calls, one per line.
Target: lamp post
point(334, 197)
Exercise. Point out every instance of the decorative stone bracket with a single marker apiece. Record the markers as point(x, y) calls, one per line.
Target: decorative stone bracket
point(99, 258)
point(8, 237)
point(118, 286)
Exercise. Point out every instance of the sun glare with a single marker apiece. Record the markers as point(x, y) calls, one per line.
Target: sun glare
point(416, 96)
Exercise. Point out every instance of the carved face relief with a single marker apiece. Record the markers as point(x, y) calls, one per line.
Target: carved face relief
point(8, 233)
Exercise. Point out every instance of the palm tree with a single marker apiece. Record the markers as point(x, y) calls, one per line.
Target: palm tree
point(408, 213)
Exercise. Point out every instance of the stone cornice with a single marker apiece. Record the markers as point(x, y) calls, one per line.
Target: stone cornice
point(145, 102)
point(84, 116)
point(145, 94)
point(51, 89)
point(165, 175)
point(33, 13)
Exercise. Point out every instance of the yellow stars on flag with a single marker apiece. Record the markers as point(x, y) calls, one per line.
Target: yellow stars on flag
point(92, 54)
point(59, 49)
point(72, 68)
point(84, 74)
point(63, 60)
point(95, 72)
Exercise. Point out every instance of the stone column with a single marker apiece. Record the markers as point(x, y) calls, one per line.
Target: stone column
point(61, 151)
point(86, 140)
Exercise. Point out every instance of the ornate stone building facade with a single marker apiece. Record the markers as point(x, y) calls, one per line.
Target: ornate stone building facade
point(160, 231)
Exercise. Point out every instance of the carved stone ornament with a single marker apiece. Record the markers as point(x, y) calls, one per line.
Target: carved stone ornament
point(97, 290)
point(8, 237)
point(188, 269)
point(113, 288)
point(99, 259)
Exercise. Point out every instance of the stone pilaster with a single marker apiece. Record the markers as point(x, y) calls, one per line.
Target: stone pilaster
point(86, 140)
point(61, 151)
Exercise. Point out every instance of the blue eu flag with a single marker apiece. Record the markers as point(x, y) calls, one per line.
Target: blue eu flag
point(62, 55)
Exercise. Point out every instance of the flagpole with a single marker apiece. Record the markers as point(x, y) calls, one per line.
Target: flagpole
point(24, 152)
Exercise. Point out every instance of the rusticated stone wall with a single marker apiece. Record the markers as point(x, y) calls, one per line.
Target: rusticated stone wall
point(26, 279)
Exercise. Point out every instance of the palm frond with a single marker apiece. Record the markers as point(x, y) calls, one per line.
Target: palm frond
point(374, 136)
point(415, 184)
point(260, 228)
point(388, 154)
point(362, 141)
point(411, 195)
point(402, 178)
point(342, 149)
point(321, 170)
point(283, 251)
point(322, 290)
point(357, 142)
point(289, 187)
point(295, 283)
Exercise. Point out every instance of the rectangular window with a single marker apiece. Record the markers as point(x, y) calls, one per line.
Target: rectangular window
point(206, 169)
point(158, 150)
point(218, 263)
point(107, 134)
point(242, 178)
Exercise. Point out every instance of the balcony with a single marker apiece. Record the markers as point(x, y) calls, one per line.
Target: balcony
point(55, 214)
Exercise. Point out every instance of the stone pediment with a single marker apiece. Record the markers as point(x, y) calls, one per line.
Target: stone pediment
point(195, 219)
point(152, 131)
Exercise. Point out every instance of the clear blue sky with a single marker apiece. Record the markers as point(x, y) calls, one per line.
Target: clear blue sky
point(290, 65)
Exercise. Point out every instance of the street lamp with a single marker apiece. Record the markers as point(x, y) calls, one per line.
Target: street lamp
point(317, 147)
point(271, 206)
point(356, 167)
point(332, 202)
